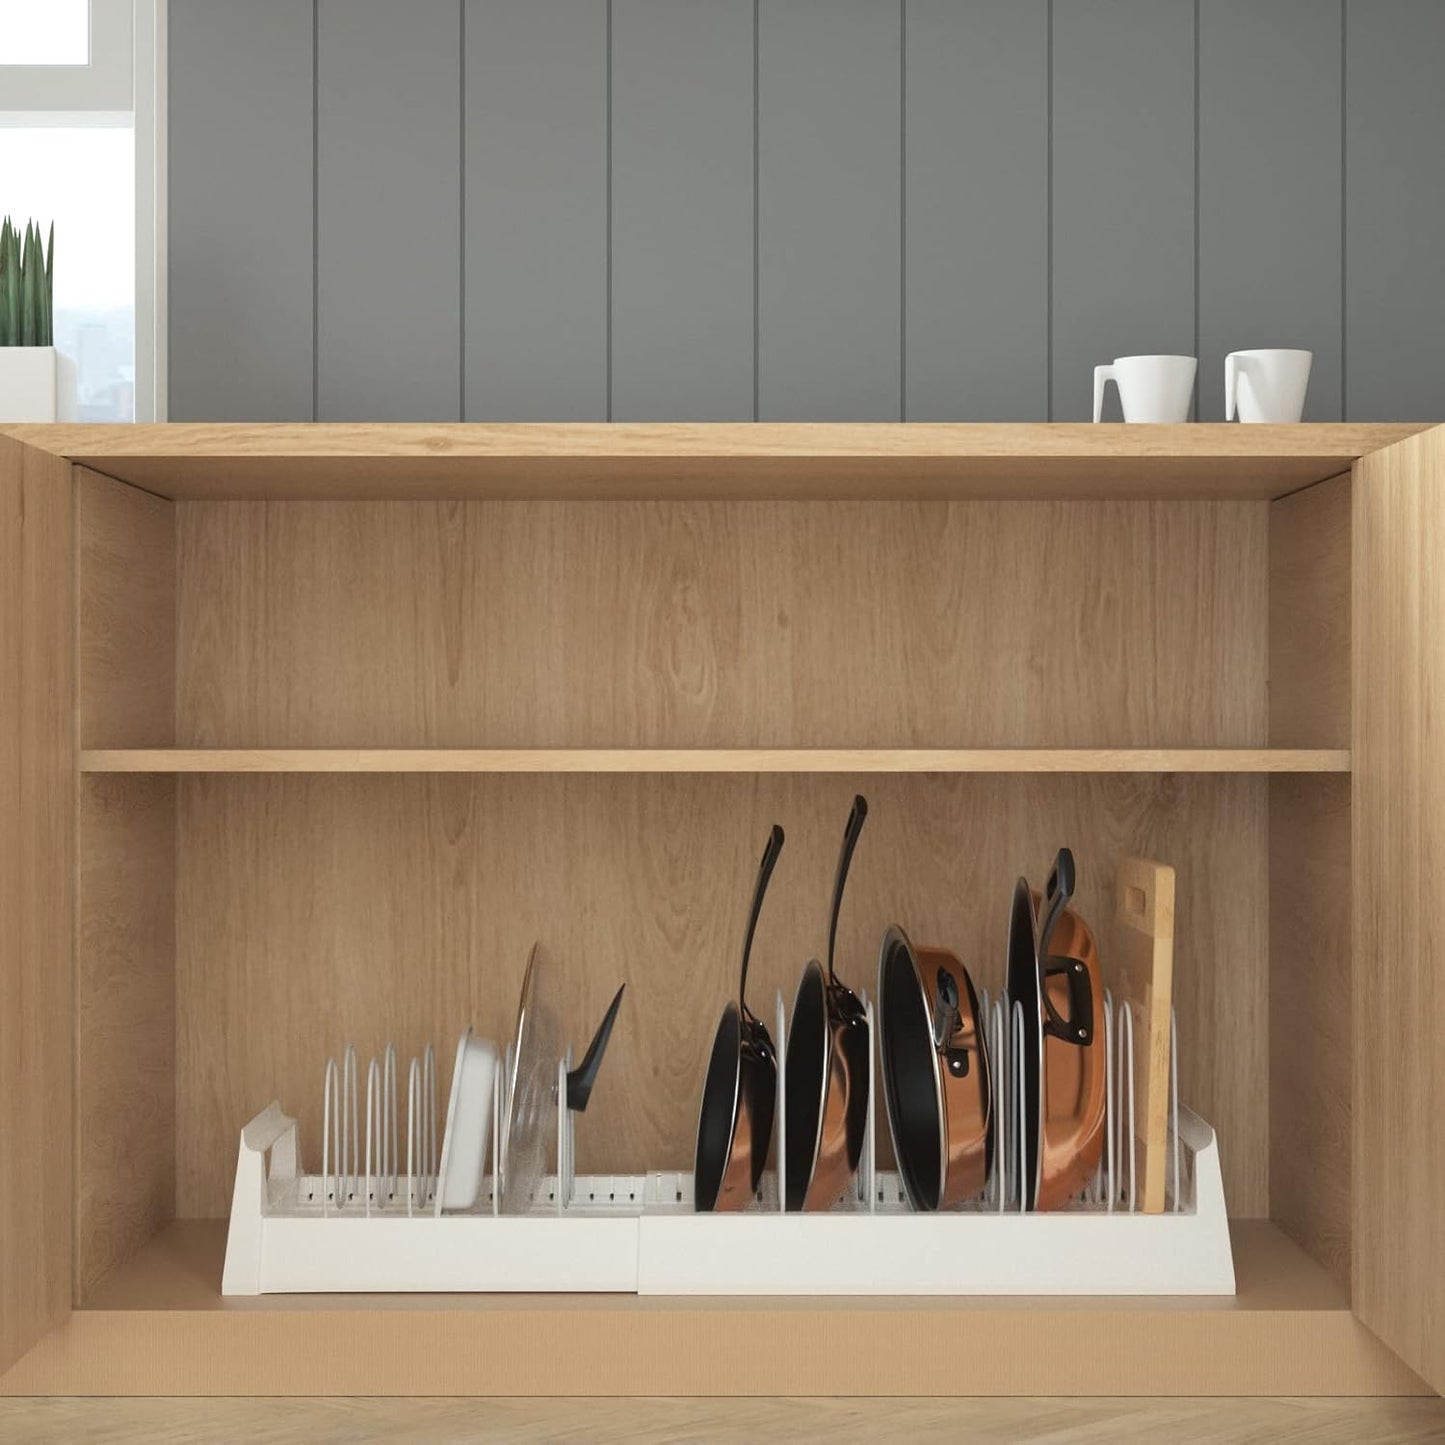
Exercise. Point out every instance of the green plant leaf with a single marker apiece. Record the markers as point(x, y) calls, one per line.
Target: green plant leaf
point(11, 298)
point(47, 290)
point(9, 286)
point(27, 290)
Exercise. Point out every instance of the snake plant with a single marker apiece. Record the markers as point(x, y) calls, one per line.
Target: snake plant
point(26, 271)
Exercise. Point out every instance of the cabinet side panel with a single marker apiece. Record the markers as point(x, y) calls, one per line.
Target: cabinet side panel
point(126, 550)
point(1310, 1015)
point(1309, 874)
point(125, 923)
point(1309, 617)
point(37, 773)
point(125, 1075)
point(1399, 917)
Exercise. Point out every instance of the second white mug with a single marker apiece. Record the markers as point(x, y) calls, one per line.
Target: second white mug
point(1266, 385)
point(1151, 388)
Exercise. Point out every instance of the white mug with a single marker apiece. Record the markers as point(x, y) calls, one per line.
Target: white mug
point(1266, 385)
point(1151, 388)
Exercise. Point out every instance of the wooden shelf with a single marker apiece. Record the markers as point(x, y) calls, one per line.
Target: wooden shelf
point(721, 461)
point(159, 1325)
point(715, 760)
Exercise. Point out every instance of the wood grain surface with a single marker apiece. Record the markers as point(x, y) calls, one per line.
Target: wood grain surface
point(125, 1021)
point(160, 1327)
point(1141, 975)
point(313, 910)
point(698, 460)
point(1310, 1016)
point(878, 625)
point(126, 614)
point(125, 1017)
point(1193, 1421)
point(1309, 617)
point(715, 760)
point(37, 861)
point(1310, 1003)
point(1398, 807)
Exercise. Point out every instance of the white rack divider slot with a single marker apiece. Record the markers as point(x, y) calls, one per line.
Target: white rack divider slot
point(292, 1232)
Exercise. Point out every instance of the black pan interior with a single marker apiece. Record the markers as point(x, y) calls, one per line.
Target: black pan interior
point(910, 1083)
point(715, 1123)
point(1023, 989)
point(805, 1076)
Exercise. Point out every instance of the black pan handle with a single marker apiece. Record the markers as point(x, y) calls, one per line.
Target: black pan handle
point(856, 819)
point(1058, 891)
point(581, 1079)
point(765, 872)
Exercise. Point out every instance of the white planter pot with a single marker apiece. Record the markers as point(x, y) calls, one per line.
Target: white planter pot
point(37, 383)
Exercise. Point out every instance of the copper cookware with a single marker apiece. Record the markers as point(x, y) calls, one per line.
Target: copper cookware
point(936, 1077)
point(826, 1068)
point(1055, 978)
point(735, 1123)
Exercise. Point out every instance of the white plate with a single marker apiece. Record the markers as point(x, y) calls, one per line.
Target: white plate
point(469, 1123)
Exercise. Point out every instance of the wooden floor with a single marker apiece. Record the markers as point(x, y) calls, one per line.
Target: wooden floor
point(318, 1422)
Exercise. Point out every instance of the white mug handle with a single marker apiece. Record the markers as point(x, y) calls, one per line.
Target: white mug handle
point(1102, 376)
point(1231, 384)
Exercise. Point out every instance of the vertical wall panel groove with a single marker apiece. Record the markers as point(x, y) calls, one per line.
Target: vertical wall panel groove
point(1123, 188)
point(946, 197)
point(388, 210)
point(976, 116)
point(1395, 228)
point(828, 210)
point(240, 210)
point(536, 187)
point(1270, 190)
point(682, 210)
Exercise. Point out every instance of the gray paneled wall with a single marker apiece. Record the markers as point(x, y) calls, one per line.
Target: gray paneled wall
point(831, 209)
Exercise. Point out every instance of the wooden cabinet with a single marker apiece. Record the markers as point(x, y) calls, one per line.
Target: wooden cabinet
point(309, 731)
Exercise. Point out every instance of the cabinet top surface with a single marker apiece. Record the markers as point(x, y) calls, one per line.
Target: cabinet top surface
point(722, 461)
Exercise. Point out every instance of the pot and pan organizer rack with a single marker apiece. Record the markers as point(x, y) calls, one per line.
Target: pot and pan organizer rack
point(1040, 1146)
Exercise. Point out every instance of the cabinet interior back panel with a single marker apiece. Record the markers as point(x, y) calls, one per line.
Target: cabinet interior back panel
point(317, 910)
point(515, 624)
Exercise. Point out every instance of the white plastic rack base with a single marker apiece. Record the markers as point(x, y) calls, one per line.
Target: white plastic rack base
point(365, 1225)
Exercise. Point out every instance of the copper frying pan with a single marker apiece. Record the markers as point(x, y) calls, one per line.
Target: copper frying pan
point(826, 1068)
point(936, 1077)
point(740, 1091)
point(1055, 977)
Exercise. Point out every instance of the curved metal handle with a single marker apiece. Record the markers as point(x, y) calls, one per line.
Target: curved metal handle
point(856, 818)
point(1057, 893)
point(581, 1079)
point(765, 872)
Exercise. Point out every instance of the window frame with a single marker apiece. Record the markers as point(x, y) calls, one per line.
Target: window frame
point(124, 86)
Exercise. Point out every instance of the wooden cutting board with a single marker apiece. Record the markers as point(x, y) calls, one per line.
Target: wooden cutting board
point(1143, 977)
